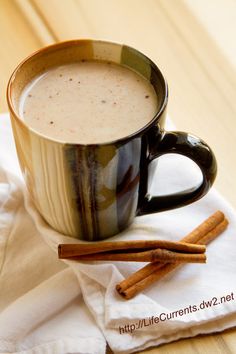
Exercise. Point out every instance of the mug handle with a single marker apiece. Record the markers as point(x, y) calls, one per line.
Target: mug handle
point(192, 147)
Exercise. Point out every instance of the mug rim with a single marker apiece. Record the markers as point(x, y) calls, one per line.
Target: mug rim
point(72, 42)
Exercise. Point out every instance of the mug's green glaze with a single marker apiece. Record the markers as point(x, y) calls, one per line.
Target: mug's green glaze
point(94, 191)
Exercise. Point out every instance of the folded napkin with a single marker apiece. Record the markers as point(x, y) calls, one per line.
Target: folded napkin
point(53, 306)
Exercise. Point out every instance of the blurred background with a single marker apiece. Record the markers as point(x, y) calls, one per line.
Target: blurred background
point(193, 42)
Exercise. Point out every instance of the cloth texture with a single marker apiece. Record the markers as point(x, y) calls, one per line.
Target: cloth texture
point(49, 305)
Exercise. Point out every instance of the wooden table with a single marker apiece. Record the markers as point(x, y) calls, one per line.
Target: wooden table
point(191, 41)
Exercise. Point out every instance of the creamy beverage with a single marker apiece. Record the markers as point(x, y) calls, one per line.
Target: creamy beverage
point(88, 102)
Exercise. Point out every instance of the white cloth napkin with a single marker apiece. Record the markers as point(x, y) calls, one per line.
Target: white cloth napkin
point(53, 306)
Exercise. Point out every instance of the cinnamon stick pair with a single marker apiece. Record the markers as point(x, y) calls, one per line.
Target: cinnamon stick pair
point(164, 256)
point(152, 272)
point(134, 251)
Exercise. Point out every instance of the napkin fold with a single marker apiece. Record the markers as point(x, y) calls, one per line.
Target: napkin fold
point(53, 306)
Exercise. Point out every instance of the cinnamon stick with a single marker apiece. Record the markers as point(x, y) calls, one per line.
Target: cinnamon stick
point(155, 255)
point(73, 250)
point(152, 272)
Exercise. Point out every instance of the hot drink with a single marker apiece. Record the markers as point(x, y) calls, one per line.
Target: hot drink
point(88, 102)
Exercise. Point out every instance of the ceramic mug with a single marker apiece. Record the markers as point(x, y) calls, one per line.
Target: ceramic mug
point(94, 191)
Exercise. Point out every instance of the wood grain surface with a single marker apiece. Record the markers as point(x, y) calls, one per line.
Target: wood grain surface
point(181, 36)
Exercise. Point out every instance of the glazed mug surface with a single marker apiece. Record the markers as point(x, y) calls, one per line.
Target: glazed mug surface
point(94, 191)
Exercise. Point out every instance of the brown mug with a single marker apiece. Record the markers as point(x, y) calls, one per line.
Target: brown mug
point(94, 191)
